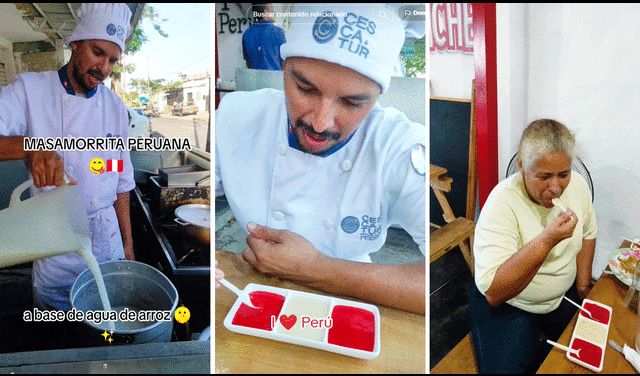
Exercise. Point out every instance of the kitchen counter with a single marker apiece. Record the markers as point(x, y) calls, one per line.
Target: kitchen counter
point(172, 357)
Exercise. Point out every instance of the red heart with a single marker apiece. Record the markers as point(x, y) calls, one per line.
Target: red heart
point(288, 322)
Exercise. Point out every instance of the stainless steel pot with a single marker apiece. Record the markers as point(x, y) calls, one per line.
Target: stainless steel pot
point(130, 284)
point(195, 220)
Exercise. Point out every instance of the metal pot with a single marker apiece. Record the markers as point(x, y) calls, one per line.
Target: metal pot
point(195, 220)
point(130, 284)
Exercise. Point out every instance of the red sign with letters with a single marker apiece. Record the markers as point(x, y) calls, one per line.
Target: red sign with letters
point(451, 27)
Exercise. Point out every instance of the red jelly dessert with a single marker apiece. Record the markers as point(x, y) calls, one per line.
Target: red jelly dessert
point(598, 313)
point(589, 353)
point(268, 304)
point(352, 327)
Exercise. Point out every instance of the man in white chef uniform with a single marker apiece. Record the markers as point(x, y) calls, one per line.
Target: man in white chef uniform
point(73, 103)
point(318, 173)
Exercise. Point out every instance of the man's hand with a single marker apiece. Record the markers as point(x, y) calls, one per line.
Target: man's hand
point(280, 253)
point(47, 168)
point(219, 275)
point(128, 252)
point(284, 254)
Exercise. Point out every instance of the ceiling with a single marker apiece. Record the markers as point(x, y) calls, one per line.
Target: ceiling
point(37, 26)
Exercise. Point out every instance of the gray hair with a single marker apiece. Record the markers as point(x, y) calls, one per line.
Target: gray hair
point(542, 137)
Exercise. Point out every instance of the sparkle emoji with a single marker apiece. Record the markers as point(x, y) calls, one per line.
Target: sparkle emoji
point(96, 166)
point(182, 314)
point(107, 336)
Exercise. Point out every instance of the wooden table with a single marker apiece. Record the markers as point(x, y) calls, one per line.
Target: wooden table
point(610, 291)
point(402, 336)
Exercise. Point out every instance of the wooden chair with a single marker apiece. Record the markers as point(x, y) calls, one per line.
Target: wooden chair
point(456, 232)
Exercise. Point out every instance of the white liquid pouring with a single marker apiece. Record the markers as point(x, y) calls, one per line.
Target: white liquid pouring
point(87, 255)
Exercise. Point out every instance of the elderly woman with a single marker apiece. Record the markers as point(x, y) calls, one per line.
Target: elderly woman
point(529, 253)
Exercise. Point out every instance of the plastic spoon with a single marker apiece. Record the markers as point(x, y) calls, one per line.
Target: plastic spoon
point(634, 286)
point(565, 348)
point(556, 202)
point(576, 304)
point(244, 297)
point(611, 272)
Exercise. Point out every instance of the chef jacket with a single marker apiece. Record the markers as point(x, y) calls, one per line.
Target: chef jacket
point(40, 105)
point(343, 202)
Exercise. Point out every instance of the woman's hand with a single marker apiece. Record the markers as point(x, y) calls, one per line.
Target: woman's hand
point(561, 228)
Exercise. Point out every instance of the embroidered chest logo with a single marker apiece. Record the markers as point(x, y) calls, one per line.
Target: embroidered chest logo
point(370, 227)
point(350, 224)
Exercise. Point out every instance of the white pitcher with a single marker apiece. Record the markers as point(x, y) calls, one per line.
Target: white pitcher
point(45, 225)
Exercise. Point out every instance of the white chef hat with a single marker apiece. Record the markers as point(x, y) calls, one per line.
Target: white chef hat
point(366, 38)
point(104, 21)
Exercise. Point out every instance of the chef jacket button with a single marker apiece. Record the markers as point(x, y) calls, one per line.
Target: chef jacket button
point(65, 96)
point(327, 223)
point(70, 169)
point(278, 216)
point(94, 202)
point(346, 165)
point(98, 104)
point(282, 150)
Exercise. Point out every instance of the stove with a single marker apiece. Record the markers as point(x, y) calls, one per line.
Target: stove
point(159, 242)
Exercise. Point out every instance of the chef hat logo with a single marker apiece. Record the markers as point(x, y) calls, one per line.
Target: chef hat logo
point(325, 28)
point(111, 29)
point(365, 38)
point(103, 21)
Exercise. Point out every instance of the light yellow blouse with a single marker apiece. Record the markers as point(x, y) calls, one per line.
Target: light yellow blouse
point(509, 220)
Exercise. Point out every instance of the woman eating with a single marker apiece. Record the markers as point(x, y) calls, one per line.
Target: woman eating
point(529, 253)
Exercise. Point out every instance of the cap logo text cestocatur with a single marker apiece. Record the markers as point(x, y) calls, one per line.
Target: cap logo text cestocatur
point(325, 28)
point(353, 32)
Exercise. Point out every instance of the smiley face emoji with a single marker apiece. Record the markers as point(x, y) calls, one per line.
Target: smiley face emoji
point(182, 314)
point(96, 166)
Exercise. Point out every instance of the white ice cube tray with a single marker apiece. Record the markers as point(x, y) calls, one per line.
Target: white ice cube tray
point(590, 331)
point(280, 333)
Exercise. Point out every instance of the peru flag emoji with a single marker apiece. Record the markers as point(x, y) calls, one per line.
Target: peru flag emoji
point(114, 165)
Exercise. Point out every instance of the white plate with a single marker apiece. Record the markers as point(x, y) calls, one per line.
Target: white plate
point(280, 333)
point(616, 256)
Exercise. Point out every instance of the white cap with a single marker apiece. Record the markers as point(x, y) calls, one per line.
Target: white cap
point(365, 38)
point(104, 21)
